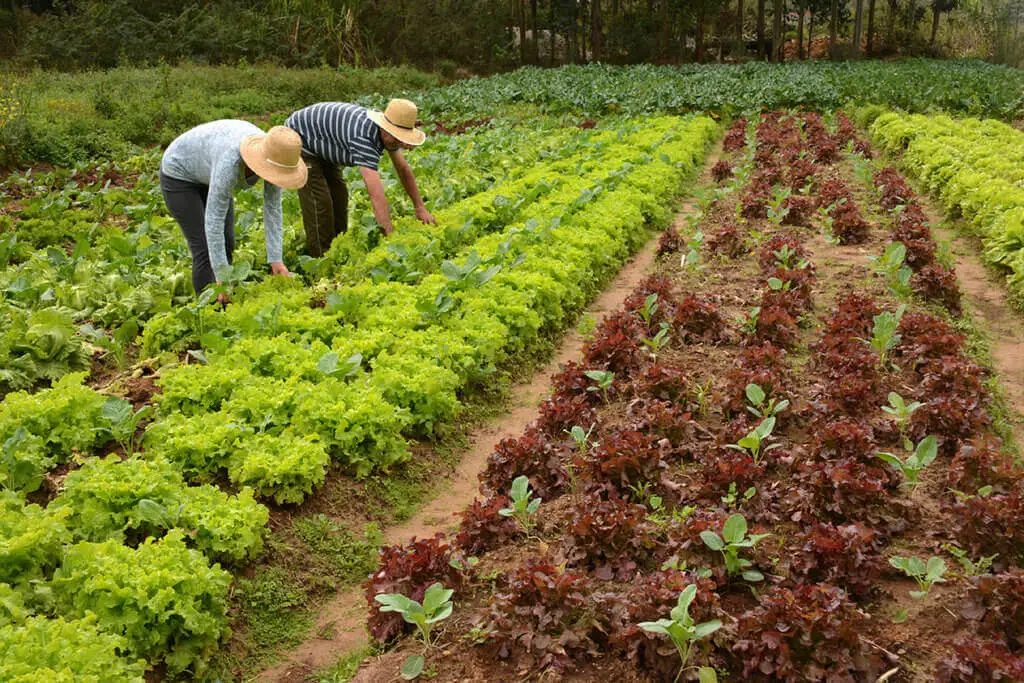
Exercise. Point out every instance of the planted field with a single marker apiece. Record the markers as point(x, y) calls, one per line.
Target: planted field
point(777, 458)
point(786, 457)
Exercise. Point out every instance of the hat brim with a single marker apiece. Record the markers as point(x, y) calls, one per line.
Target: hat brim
point(255, 158)
point(413, 136)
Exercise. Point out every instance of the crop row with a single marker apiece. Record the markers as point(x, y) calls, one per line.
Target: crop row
point(122, 555)
point(747, 520)
point(976, 167)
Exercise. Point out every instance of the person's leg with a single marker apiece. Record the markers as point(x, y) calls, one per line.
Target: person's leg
point(186, 202)
point(317, 208)
point(339, 197)
point(229, 231)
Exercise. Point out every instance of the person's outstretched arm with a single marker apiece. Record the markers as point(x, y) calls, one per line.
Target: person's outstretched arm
point(379, 201)
point(405, 174)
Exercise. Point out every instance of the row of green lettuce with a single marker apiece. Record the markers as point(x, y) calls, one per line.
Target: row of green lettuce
point(120, 571)
point(976, 168)
point(84, 265)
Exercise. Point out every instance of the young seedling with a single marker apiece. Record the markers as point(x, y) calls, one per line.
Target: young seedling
point(683, 632)
point(123, 422)
point(901, 412)
point(926, 574)
point(911, 468)
point(604, 380)
point(884, 336)
point(785, 257)
point(760, 406)
point(891, 265)
point(692, 256)
point(701, 395)
point(755, 443)
point(649, 308)
point(777, 209)
point(777, 285)
point(524, 505)
point(733, 498)
point(983, 492)
point(659, 341)
point(733, 539)
point(581, 438)
point(436, 607)
point(748, 323)
point(970, 567)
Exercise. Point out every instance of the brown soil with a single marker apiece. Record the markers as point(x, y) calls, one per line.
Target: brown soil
point(340, 626)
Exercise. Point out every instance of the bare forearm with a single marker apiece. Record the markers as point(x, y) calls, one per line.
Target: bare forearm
point(405, 174)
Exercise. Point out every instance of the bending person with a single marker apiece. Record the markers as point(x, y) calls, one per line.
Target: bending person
point(198, 176)
point(339, 134)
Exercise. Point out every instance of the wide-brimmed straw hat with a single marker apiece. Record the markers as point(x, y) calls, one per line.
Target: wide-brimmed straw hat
point(399, 119)
point(276, 156)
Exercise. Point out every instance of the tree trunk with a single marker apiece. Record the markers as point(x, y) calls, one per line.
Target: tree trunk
point(858, 26)
point(935, 25)
point(777, 30)
point(911, 15)
point(596, 39)
point(698, 51)
point(536, 32)
point(740, 45)
point(761, 50)
point(890, 29)
point(833, 27)
point(664, 27)
point(810, 34)
point(871, 28)
point(800, 34)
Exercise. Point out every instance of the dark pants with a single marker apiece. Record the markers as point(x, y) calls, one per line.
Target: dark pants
point(187, 203)
point(324, 202)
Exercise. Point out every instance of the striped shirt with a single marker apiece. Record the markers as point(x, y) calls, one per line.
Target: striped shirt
point(338, 132)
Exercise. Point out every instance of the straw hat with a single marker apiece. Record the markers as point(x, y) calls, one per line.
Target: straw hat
point(399, 119)
point(276, 157)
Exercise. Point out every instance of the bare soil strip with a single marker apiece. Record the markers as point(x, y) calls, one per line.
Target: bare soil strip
point(340, 626)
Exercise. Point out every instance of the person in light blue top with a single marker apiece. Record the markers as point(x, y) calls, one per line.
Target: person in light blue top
point(199, 173)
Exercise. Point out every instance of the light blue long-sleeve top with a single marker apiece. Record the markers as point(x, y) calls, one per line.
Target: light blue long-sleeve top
point(209, 155)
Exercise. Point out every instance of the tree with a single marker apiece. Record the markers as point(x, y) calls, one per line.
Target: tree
point(938, 7)
point(871, 28)
point(777, 8)
point(858, 23)
point(761, 50)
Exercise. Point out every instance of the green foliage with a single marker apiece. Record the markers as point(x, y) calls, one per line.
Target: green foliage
point(524, 505)
point(733, 539)
point(42, 650)
point(761, 406)
point(755, 443)
point(38, 431)
point(683, 631)
point(31, 539)
point(167, 602)
point(285, 468)
point(884, 335)
point(925, 573)
point(119, 500)
point(436, 607)
point(911, 467)
point(891, 265)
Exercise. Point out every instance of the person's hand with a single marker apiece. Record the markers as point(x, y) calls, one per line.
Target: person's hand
point(223, 299)
point(424, 215)
point(278, 268)
point(386, 229)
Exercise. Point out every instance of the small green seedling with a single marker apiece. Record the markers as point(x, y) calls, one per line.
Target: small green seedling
point(683, 632)
point(733, 539)
point(692, 256)
point(777, 285)
point(734, 499)
point(581, 438)
point(123, 421)
point(755, 443)
point(983, 492)
point(524, 505)
point(604, 380)
point(891, 265)
point(701, 395)
point(884, 336)
point(760, 406)
point(649, 309)
point(436, 607)
point(785, 257)
point(901, 411)
point(970, 567)
point(777, 209)
point(659, 341)
point(911, 468)
point(748, 323)
point(926, 574)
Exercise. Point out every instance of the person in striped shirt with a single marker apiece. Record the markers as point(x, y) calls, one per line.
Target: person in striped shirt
point(340, 134)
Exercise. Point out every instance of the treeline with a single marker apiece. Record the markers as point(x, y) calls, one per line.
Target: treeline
point(489, 35)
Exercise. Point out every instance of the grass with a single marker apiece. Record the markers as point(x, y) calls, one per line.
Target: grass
point(345, 668)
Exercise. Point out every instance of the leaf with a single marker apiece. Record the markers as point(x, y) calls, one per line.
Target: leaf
point(926, 451)
point(706, 674)
point(707, 628)
point(712, 540)
point(753, 576)
point(520, 487)
point(413, 667)
point(755, 394)
point(435, 596)
point(735, 528)
point(328, 363)
point(686, 597)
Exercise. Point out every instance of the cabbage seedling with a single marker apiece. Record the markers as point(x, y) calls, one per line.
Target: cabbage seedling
point(683, 632)
point(604, 380)
point(911, 468)
point(524, 506)
point(755, 443)
point(926, 574)
point(436, 607)
point(760, 405)
point(733, 539)
point(901, 411)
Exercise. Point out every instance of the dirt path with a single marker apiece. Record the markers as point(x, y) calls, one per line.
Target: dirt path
point(1003, 325)
point(340, 626)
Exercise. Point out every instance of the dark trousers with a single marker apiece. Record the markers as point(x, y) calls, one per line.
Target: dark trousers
point(187, 203)
point(324, 202)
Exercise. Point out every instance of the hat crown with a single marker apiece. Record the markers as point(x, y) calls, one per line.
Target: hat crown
point(401, 113)
point(283, 147)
